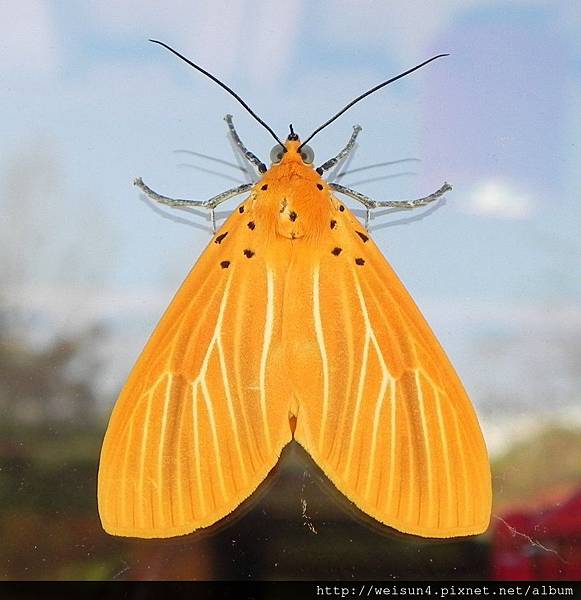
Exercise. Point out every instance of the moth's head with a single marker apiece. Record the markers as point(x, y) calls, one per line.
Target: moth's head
point(292, 151)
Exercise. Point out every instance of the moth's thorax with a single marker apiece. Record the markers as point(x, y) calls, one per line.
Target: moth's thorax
point(293, 198)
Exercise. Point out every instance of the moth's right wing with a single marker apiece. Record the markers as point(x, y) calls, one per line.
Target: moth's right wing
point(383, 411)
point(192, 434)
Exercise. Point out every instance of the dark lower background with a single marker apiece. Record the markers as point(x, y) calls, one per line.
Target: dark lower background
point(297, 526)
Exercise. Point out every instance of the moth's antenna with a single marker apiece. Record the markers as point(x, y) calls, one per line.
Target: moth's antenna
point(367, 93)
point(222, 85)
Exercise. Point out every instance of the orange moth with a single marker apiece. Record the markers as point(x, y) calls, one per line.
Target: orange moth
point(293, 326)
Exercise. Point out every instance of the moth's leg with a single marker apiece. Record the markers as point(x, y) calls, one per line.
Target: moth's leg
point(247, 168)
point(350, 144)
point(409, 204)
point(252, 158)
point(362, 198)
point(209, 204)
point(219, 198)
point(179, 203)
point(397, 204)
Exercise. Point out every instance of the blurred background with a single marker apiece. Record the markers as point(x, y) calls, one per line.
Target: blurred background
point(87, 266)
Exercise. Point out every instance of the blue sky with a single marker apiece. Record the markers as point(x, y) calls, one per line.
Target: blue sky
point(88, 104)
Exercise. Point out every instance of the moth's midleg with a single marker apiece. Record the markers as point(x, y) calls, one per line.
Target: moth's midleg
point(370, 204)
point(209, 204)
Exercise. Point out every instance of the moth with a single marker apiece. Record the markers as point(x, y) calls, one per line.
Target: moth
point(293, 326)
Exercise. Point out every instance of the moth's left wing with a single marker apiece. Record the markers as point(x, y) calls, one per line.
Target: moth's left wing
point(382, 410)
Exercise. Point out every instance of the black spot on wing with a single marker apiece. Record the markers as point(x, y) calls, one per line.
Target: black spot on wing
point(360, 261)
point(362, 236)
point(336, 251)
point(248, 253)
point(220, 238)
point(225, 264)
point(251, 225)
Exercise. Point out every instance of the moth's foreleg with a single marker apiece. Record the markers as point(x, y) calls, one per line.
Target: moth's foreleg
point(249, 156)
point(346, 150)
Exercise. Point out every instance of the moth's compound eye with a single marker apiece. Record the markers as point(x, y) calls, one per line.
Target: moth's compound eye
point(307, 155)
point(276, 154)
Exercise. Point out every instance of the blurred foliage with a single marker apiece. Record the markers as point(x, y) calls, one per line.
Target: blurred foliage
point(51, 383)
point(540, 469)
point(50, 430)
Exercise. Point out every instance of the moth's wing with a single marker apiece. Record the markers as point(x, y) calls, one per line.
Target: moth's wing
point(384, 413)
point(192, 435)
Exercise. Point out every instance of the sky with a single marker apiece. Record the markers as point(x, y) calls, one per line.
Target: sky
point(88, 104)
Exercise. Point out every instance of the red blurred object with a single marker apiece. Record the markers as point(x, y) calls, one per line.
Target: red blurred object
point(539, 545)
point(510, 550)
point(564, 520)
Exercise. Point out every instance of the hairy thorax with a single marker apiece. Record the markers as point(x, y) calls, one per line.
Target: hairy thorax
point(294, 199)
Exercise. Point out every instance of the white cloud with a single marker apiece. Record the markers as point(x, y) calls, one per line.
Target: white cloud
point(30, 42)
point(403, 32)
point(222, 36)
point(72, 307)
point(499, 198)
point(474, 314)
point(271, 47)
